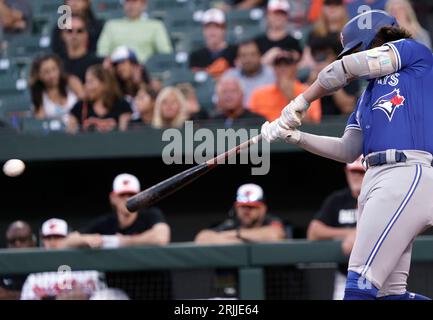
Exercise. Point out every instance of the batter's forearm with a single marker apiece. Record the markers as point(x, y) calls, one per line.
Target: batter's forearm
point(345, 149)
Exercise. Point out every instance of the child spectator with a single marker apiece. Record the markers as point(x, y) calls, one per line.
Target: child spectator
point(144, 103)
point(103, 109)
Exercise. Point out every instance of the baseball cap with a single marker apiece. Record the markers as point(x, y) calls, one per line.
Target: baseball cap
point(361, 30)
point(355, 165)
point(250, 194)
point(213, 15)
point(123, 53)
point(54, 227)
point(279, 5)
point(126, 183)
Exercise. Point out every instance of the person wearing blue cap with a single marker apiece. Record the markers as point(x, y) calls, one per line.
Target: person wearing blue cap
point(391, 127)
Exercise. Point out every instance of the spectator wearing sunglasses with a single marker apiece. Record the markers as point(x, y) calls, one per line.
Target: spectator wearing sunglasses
point(324, 51)
point(19, 235)
point(76, 40)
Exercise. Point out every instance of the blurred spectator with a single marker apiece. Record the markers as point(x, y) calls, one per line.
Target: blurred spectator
point(19, 235)
point(277, 36)
point(123, 228)
point(269, 100)
point(94, 27)
point(77, 56)
point(355, 7)
point(328, 26)
point(53, 92)
point(53, 232)
point(230, 107)
point(336, 219)
point(250, 70)
point(63, 284)
point(15, 15)
point(217, 56)
point(103, 109)
point(144, 103)
point(406, 18)
point(195, 112)
point(325, 51)
point(128, 71)
point(171, 109)
point(143, 35)
point(249, 222)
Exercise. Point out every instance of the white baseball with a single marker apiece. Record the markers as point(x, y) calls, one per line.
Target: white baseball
point(13, 167)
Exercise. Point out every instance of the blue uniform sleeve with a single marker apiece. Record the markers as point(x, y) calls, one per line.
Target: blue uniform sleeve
point(353, 122)
point(412, 55)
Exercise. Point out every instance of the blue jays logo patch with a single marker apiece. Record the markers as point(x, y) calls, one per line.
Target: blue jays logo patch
point(389, 103)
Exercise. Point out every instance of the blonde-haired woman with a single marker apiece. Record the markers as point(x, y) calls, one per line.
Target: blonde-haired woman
point(406, 18)
point(171, 109)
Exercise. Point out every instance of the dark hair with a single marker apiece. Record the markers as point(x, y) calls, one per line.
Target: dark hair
point(37, 87)
point(330, 42)
point(111, 92)
point(388, 34)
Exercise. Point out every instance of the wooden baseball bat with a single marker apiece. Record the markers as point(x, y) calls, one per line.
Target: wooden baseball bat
point(169, 186)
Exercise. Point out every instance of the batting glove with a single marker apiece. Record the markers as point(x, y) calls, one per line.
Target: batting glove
point(273, 131)
point(292, 114)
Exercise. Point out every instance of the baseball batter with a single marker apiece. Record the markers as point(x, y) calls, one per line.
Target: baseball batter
point(392, 127)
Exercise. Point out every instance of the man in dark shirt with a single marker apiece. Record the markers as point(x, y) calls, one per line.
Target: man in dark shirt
point(123, 228)
point(230, 105)
point(19, 235)
point(217, 56)
point(277, 37)
point(336, 218)
point(76, 40)
point(250, 223)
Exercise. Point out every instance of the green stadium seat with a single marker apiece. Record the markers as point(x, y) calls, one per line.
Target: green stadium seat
point(180, 22)
point(244, 18)
point(159, 8)
point(18, 105)
point(45, 9)
point(30, 125)
point(160, 64)
point(26, 46)
point(108, 9)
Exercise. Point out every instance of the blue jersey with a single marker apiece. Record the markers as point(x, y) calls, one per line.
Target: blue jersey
point(396, 111)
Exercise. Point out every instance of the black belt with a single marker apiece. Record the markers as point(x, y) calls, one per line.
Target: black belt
point(379, 159)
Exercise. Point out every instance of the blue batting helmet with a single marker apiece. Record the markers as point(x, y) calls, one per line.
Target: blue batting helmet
point(361, 30)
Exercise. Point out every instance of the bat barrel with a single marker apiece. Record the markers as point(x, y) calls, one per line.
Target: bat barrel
point(152, 195)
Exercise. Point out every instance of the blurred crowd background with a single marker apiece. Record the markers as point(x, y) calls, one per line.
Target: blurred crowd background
point(125, 65)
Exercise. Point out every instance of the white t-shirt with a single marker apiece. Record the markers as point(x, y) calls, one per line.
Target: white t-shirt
point(53, 110)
